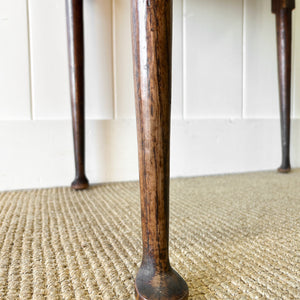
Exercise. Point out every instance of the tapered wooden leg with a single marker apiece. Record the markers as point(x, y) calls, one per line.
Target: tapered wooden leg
point(283, 10)
point(151, 29)
point(76, 67)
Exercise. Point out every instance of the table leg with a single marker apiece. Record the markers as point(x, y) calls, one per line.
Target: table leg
point(152, 37)
point(283, 10)
point(76, 68)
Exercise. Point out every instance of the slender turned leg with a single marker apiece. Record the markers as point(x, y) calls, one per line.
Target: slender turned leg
point(283, 10)
point(151, 29)
point(76, 65)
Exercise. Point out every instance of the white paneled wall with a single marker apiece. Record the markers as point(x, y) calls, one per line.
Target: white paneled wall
point(296, 63)
point(260, 61)
point(14, 62)
point(225, 91)
point(213, 58)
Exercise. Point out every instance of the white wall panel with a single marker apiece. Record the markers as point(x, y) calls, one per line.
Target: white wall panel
point(296, 61)
point(124, 90)
point(177, 60)
point(260, 70)
point(49, 65)
point(14, 64)
point(98, 59)
point(51, 99)
point(213, 58)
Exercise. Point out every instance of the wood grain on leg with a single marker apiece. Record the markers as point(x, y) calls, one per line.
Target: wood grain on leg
point(152, 36)
point(283, 10)
point(76, 67)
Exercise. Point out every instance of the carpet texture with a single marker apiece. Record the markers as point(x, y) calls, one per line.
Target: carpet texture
point(232, 237)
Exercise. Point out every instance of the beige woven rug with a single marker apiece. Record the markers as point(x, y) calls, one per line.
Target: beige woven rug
point(232, 237)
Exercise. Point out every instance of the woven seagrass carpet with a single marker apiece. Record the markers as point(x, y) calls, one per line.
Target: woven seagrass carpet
point(232, 237)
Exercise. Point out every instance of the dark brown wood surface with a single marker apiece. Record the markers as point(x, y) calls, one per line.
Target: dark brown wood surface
point(76, 69)
point(152, 37)
point(277, 5)
point(283, 10)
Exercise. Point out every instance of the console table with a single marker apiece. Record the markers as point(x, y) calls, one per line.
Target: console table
point(152, 52)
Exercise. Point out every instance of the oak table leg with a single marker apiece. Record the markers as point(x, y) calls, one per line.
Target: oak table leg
point(76, 68)
point(152, 35)
point(283, 10)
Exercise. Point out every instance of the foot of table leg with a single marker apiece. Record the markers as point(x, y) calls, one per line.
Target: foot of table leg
point(151, 284)
point(152, 36)
point(76, 66)
point(80, 183)
point(283, 10)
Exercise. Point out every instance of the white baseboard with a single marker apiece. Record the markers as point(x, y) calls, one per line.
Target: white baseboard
point(36, 154)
